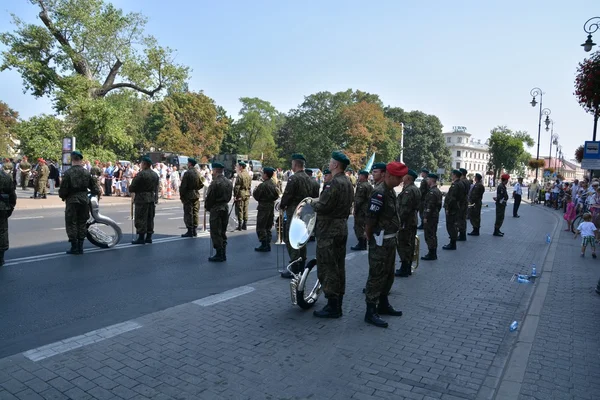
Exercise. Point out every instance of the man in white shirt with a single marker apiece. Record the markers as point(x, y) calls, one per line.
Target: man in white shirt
point(517, 194)
point(574, 190)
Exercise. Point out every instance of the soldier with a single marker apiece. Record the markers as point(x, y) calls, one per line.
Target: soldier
point(42, 178)
point(351, 176)
point(423, 188)
point(333, 209)
point(241, 193)
point(24, 168)
point(145, 189)
point(316, 189)
point(327, 177)
point(451, 205)
point(408, 207)
point(216, 203)
point(8, 167)
point(96, 173)
point(189, 194)
point(431, 214)
point(8, 201)
point(297, 189)
point(382, 225)
point(266, 194)
point(378, 172)
point(464, 206)
point(73, 190)
point(361, 204)
point(500, 199)
point(475, 201)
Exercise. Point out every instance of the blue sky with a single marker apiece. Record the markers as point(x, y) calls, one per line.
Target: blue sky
point(471, 63)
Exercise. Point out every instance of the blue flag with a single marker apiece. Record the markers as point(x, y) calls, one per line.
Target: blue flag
point(370, 163)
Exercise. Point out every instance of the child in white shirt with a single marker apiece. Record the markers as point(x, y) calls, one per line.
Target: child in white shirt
point(588, 230)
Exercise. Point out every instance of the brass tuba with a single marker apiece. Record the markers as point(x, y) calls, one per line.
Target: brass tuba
point(102, 231)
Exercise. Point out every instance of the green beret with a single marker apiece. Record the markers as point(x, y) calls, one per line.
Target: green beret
point(77, 154)
point(349, 170)
point(192, 161)
point(478, 176)
point(217, 165)
point(298, 156)
point(457, 172)
point(412, 173)
point(242, 163)
point(379, 165)
point(433, 176)
point(425, 170)
point(463, 171)
point(147, 159)
point(326, 172)
point(268, 169)
point(341, 157)
point(363, 172)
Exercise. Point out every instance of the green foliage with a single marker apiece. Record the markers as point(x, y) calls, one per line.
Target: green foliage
point(579, 154)
point(507, 150)
point(8, 120)
point(41, 137)
point(257, 124)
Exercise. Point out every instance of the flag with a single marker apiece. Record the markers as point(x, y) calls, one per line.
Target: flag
point(370, 163)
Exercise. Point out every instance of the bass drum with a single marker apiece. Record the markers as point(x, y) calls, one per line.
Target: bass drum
point(104, 235)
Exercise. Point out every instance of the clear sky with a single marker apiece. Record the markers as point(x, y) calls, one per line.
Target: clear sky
point(470, 62)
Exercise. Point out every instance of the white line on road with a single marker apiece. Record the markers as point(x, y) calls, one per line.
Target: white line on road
point(169, 208)
point(161, 214)
point(36, 217)
point(58, 229)
point(175, 218)
point(228, 295)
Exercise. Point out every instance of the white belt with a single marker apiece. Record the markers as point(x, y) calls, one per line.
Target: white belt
point(390, 235)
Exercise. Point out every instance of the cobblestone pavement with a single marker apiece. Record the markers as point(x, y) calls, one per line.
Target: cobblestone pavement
point(452, 342)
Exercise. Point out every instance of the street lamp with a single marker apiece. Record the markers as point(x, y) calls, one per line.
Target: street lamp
point(590, 27)
point(534, 93)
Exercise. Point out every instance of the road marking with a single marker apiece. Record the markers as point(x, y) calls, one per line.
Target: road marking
point(169, 208)
point(221, 297)
point(57, 229)
point(18, 218)
point(161, 214)
point(53, 349)
point(175, 218)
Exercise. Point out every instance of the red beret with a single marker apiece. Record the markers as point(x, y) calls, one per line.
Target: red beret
point(505, 177)
point(396, 168)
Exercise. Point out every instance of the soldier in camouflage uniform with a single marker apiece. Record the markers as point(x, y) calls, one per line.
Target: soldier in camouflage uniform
point(42, 181)
point(361, 204)
point(8, 201)
point(378, 173)
point(423, 188)
point(189, 194)
point(475, 201)
point(464, 206)
point(24, 169)
point(145, 189)
point(326, 176)
point(382, 225)
point(408, 207)
point(265, 194)
point(8, 167)
point(431, 216)
point(500, 199)
point(216, 203)
point(297, 189)
point(452, 207)
point(96, 173)
point(73, 190)
point(241, 194)
point(333, 209)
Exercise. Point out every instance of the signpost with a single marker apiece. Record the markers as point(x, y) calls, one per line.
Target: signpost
point(591, 155)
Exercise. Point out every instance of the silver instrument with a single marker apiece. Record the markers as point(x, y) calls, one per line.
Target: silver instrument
point(102, 231)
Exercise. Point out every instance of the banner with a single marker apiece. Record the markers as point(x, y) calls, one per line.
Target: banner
point(370, 163)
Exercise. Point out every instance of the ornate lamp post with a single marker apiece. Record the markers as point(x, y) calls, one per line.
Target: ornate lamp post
point(534, 93)
point(590, 27)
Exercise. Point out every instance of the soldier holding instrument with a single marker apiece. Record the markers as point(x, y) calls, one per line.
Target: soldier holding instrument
point(8, 201)
point(266, 194)
point(475, 200)
point(408, 206)
point(189, 194)
point(145, 187)
point(217, 204)
point(431, 216)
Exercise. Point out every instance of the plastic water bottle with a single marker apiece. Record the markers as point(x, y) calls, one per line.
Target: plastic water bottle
point(533, 270)
point(523, 279)
point(548, 238)
point(514, 326)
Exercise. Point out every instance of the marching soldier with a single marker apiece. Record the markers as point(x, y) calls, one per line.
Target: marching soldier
point(8, 167)
point(431, 216)
point(500, 199)
point(266, 194)
point(297, 189)
point(475, 200)
point(361, 204)
point(241, 193)
point(42, 178)
point(189, 193)
point(216, 203)
point(464, 206)
point(145, 186)
point(378, 172)
point(333, 209)
point(423, 188)
point(408, 207)
point(452, 207)
point(74, 192)
point(382, 226)
point(24, 168)
point(8, 201)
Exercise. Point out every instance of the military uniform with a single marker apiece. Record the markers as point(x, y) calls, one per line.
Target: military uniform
point(501, 199)
point(423, 188)
point(24, 168)
point(463, 207)
point(475, 200)
point(265, 194)
point(189, 194)
point(96, 173)
point(145, 186)
point(8, 201)
point(42, 180)
point(73, 190)
point(241, 193)
point(431, 214)
point(216, 203)
point(8, 167)
point(408, 206)
point(452, 207)
point(361, 205)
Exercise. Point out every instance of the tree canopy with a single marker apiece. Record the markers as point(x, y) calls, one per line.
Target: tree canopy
point(41, 137)
point(507, 151)
point(8, 121)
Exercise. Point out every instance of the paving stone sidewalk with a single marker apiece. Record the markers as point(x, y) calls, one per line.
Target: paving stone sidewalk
point(452, 343)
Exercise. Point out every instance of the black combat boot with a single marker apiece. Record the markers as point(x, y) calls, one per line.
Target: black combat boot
point(148, 238)
point(188, 233)
point(264, 247)
point(244, 227)
point(195, 231)
point(498, 233)
point(405, 270)
point(74, 249)
point(371, 316)
point(450, 246)
point(462, 237)
point(362, 245)
point(474, 232)
point(239, 228)
point(218, 257)
point(431, 256)
point(80, 247)
point(385, 308)
point(140, 239)
point(331, 310)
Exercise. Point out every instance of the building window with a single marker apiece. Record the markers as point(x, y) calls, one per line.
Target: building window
point(448, 139)
point(459, 139)
point(458, 165)
point(457, 153)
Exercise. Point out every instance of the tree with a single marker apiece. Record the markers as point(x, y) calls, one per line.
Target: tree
point(507, 152)
point(41, 137)
point(231, 140)
point(587, 87)
point(258, 122)
point(366, 129)
point(8, 120)
point(579, 154)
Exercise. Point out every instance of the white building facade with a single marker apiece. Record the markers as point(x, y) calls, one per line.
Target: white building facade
point(466, 152)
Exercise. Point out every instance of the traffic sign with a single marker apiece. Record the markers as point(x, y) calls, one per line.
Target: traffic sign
point(590, 163)
point(591, 150)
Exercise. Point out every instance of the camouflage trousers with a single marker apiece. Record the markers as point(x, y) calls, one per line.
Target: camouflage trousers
point(462, 218)
point(405, 243)
point(500, 208)
point(421, 211)
point(451, 227)
point(264, 223)
point(382, 260)
point(218, 228)
point(241, 209)
point(144, 217)
point(41, 187)
point(4, 230)
point(431, 233)
point(191, 213)
point(475, 215)
point(359, 226)
point(24, 180)
point(76, 216)
point(293, 253)
point(331, 265)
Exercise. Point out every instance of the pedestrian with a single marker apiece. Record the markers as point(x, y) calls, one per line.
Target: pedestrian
point(145, 187)
point(73, 190)
point(53, 177)
point(382, 226)
point(42, 179)
point(25, 170)
point(216, 203)
point(500, 199)
point(8, 201)
point(570, 215)
point(533, 192)
point(266, 193)
point(451, 205)
point(588, 231)
point(475, 203)
point(189, 194)
point(241, 194)
point(408, 207)
point(333, 209)
point(423, 188)
point(361, 205)
point(431, 216)
point(517, 194)
point(463, 206)
point(108, 179)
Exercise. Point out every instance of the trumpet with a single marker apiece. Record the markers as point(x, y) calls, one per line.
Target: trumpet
point(279, 224)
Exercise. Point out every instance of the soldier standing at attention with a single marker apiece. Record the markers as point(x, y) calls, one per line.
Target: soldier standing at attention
point(266, 194)
point(145, 188)
point(327, 177)
point(382, 227)
point(43, 173)
point(378, 172)
point(189, 193)
point(408, 207)
point(475, 199)
point(316, 188)
point(464, 206)
point(8, 167)
point(216, 203)
point(297, 189)
point(241, 193)
point(24, 168)
point(361, 205)
point(333, 209)
point(96, 173)
point(431, 214)
point(501, 199)
point(74, 192)
point(423, 188)
point(451, 205)
point(8, 201)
